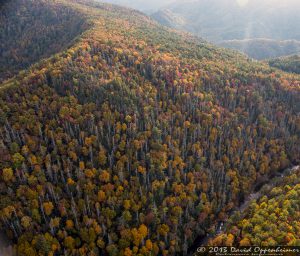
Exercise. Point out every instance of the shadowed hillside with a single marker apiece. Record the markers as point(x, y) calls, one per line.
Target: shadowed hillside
point(32, 30)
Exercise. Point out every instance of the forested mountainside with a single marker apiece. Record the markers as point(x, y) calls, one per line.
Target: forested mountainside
point(288, 63)
point(261, 29)
point(30, 32)
point(270, 221)
point(136, 138)
point(263, 48)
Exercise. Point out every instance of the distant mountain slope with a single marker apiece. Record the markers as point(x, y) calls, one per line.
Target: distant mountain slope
point(224, 20)
point(168, 18)
point(288, 64)
point(32, 30)
point(263, 48)
point(217, 20)
point(134, 139)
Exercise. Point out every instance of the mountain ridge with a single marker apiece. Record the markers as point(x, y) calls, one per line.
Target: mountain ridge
point(27, 46)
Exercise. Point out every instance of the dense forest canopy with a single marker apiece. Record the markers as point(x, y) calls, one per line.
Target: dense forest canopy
point(270, 221)
point(288, 64)
point(30, 32)
point(135, 138)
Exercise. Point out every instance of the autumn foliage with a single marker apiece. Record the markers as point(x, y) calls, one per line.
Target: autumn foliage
point(271, 220)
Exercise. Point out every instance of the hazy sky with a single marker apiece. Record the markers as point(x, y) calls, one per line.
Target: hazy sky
point(158, 4)
point(143, 5)
point(242, 2)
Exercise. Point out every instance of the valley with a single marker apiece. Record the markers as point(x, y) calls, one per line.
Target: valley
point(259, 191)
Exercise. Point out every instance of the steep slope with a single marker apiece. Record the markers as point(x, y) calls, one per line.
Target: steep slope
point(270, 221)
point(30, 32)
point(136, 138)
point(225, 20)
point(288, 64)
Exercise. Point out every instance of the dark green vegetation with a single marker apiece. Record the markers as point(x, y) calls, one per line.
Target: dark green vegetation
point(30, 32)
point(270, 221)
point(288, 64)
point(135, 139)
point(239, 27)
